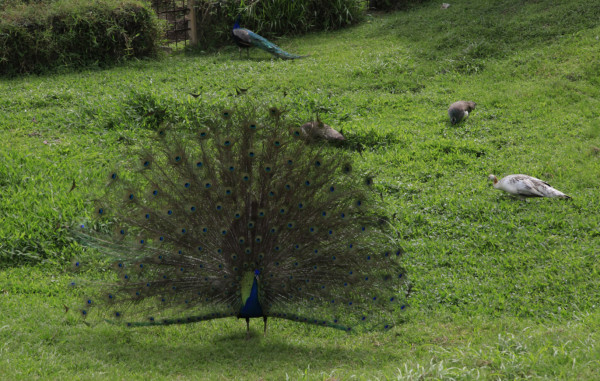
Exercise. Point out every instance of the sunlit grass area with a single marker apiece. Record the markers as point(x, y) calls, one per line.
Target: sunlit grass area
point(501, 288)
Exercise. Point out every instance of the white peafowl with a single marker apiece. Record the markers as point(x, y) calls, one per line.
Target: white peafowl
point(524, 186)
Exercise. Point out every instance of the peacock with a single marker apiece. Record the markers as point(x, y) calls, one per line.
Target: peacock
point(460, 110)
point(318, 131)
point(242, 218)
point(524, 186)
point(245, 39)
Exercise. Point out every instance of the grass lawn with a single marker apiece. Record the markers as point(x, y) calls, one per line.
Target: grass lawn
point(502, 288)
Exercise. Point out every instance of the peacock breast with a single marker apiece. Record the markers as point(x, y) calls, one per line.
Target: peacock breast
point(250, 302)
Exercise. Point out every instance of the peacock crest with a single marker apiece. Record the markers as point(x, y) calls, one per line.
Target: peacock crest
point(242, 218)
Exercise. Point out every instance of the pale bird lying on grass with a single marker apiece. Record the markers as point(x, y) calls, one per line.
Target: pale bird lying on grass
point(524, 186)
point(460, 110)
point(318, 130)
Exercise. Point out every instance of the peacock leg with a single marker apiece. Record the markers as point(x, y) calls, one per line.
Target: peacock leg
point(265, 320)
point(247, 328)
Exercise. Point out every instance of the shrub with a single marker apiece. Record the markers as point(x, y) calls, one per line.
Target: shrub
point(283, 16)
point(273, 17)
point(389, 5)
point(37, 36)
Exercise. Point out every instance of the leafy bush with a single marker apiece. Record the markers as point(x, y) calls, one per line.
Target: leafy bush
point(273, 17)
point(388, 5)
point(11, 3)
point(37, 36)
point(283, 16)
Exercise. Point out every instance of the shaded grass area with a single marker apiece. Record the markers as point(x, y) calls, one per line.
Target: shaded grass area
point(40, 340)
point(501, 288)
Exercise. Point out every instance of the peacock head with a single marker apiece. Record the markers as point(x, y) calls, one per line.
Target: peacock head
point(256, 273)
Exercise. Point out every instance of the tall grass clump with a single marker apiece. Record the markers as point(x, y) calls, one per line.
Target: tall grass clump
point(37, 36)
point(390, 5)
point(281, 16)
point(274, 17)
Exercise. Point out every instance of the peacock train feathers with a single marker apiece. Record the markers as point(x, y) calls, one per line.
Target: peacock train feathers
point(242, 218)
point(245, 39)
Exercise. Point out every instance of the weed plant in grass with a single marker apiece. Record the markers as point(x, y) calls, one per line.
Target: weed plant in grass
point(501, 288)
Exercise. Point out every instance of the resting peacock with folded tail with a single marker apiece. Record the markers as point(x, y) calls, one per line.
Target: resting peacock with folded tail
point(245, 39)
point(242, 218)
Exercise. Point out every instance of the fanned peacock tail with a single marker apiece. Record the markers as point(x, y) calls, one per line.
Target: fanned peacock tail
point(242, 218)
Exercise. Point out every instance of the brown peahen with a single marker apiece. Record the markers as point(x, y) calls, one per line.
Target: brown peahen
point(319, 131)
point(242, 218)
point(460, 110)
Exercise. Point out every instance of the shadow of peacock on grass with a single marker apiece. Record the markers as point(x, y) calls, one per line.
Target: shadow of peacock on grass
point(221, 348)
point(41, 339)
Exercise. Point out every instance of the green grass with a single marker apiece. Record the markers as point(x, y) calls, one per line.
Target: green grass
point(501, 288)
point(40, 340)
